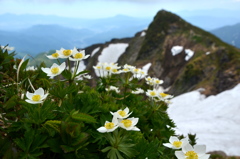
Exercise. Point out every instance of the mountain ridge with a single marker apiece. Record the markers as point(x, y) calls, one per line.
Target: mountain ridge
point(215, 65)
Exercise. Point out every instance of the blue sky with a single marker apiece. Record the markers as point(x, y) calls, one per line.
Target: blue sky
point(109, 8)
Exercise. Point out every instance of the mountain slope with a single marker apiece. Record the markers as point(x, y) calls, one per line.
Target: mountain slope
point(214, 64)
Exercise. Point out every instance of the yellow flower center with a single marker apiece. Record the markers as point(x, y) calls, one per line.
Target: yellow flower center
point(122, 113)
point(191, 155)
point(109, 125)
point(78, 56)
point(157, 81)
point(114, 70)
point(177, 144)
point(135, 70)
point(108, 68)
point(36, 98)
point(148, 79)
point(127, 123)
point(163, 94)
point(153, 93)
point(55, 55)
point(55, 70)
point(67, 52)
point(126, 69)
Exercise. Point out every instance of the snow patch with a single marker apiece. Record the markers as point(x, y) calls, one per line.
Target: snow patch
point(214, 119)
point(143, 33)
point(112, 52)
point(81, 67)
point(146, 67)
point(189, 53)
point(95, 51)
point(176, 50)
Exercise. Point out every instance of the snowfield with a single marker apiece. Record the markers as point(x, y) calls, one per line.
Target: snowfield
point(112, 52)
point(215, 119)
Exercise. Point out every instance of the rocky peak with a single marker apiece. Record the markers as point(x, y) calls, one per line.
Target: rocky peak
point(204, 61)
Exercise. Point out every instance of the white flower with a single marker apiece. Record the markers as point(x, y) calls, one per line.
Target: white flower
point(54, 70)
point(64, 53)
point(113, 88)
point(149, 81)
point(175, 143)
point(53, 56)
point(138, 91)
point(152, 93)
point(129, 124)
point(156, 81)
point(31, 68)
point(78, 56)
point(129, 67)
point(164, 97)
point(121, 114)
point(109, 126)
point(87, 76)
point(37, 97)
point(188, 152)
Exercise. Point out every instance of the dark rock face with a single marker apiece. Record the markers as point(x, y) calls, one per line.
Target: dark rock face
point(216, 71)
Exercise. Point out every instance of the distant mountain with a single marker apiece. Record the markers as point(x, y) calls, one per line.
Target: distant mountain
point(229, 34)
point(210, 19)
point(41, 38)
point(16, 22)
point(203, 62)
point(68, 33)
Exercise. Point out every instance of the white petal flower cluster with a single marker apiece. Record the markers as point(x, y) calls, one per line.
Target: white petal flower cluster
point(107, 69)
point(120, 119)
point(113, 88)
point(175, 143)
point(71, 55)
point(138, 91)
point(37, 97)
point(187, 151)
point(137, 72)
point(155, 82)
point(54, 70)
point(159, 95)
point(78, 55)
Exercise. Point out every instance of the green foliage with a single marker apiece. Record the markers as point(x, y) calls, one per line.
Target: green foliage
point(65, 123)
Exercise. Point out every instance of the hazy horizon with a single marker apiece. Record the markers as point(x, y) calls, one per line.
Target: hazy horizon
point(92, 9)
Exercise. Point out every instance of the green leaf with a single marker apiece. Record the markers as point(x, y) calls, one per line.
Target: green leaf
point(11, 102)
point(67, 149)
point(83, 117)
point(106, 149)
point(67, 74)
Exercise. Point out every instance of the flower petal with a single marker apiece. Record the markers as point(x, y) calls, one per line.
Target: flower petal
point(46, 70)
point(126, 110)
point(179, 154)
point(187, 148)
point(102, 129)
point(54, 65)
point(62, 66)
point(39, 91)
point(172, 139)
point(29, 95)
point(134, 120)
point(33, 102)
point(135, 129)
point(168, 145)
